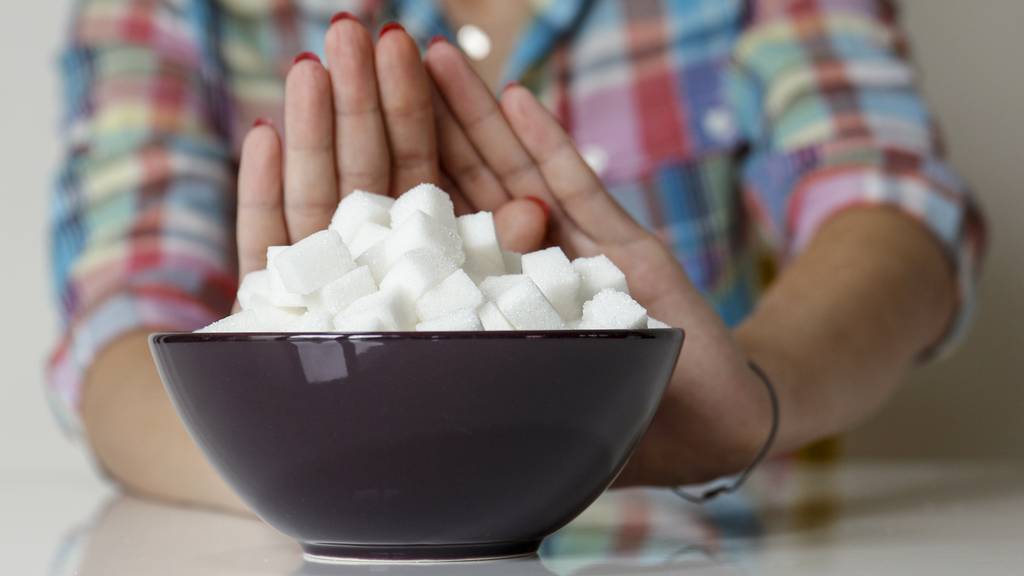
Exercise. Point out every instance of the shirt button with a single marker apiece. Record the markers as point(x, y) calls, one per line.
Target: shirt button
point(719, 124)
point(596, 157)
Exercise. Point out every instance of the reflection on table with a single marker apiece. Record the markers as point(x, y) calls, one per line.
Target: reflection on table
point(850, 519)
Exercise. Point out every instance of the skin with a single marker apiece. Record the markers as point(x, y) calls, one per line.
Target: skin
point(836, 332)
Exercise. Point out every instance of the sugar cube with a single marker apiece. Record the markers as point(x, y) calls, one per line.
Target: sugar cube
point(598, 273)
point(366, 237)
point(338, 294)
point(420, 231)
point(426, 199)
point(412, 275)
point(491, 318)
point(372, 313)
point(480, 243)
point(493, 286)
point(455, 292)
point(280, 296)
point(254, 290)
point(375, 258)
point(513, 262)
point(654, 323)
point(358, 209)
point(312, 262)
point(254, 320)
point(552, 272)
point(464, 320)
point(613, 310)
point(312, 321)
point(525, 307)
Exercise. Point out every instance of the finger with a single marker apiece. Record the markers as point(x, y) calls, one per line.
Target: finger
point(310, 187)
point(260, 210)
point(477, 112)
point(521, 225)
point(578, 191)
point(360, 139)
point(408, 115)
point(483, 190)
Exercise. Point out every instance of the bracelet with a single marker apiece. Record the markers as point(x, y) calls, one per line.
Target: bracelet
point(715, 491)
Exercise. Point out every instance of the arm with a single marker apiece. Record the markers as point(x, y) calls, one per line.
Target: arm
point(847, 319)
point(142, 236)
point(867, 289)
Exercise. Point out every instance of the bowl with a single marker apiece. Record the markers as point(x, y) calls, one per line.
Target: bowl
point(420, 446)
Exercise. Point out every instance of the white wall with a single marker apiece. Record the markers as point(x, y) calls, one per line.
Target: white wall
point(970, 405)
point(972, 59)
point(29, 150)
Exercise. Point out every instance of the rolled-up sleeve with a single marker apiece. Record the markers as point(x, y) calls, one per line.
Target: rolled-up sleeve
point(829, 96)
point(142, 212)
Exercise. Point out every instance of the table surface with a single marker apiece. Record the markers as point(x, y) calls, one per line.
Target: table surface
point(854, 518)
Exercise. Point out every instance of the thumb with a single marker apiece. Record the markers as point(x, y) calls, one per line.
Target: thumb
point(522, 224)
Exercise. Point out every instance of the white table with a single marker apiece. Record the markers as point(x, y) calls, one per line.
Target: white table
point(857, 518)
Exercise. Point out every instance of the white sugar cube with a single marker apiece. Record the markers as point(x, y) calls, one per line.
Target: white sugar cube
point(654, 323)
point(513, 262)
point(491, 318)
point(373, 313)
point(526, 308)
point(338, 294)
point(464, 320)
point(312, 262)
point(613, 310)
point(552, 272)
point(598, 273)
point(427, 199)
point(493, 286)
point(419, 231)
point(254, 320)
point(411, 276)
point(480, 243)
point(375, 258)
point(456, 292)
point(312, 321)
point(359, 208)
point(254, 290)
point(366, 237)
point(280, 296)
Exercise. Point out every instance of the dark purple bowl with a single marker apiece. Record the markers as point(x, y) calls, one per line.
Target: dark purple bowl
point(422, 445)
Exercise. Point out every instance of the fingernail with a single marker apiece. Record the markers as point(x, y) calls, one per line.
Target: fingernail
point(261, 122)
point(543, 205)
point(343, 16)
point(436, 40)
point(305, 56)
point(511, 84)
point(389, 27)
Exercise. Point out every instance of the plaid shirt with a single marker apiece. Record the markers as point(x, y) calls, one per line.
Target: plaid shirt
point(734, 129)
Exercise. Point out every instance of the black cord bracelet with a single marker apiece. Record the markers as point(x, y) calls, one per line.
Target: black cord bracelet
point(715, 491)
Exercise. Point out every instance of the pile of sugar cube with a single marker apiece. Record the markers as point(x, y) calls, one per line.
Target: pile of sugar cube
point(404, 264)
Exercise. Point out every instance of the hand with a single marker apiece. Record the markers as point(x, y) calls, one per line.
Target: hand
point(366, 121)
point(715, 414)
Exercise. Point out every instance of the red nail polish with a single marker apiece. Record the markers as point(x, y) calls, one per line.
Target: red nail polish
point(262, 122)
point(437, 39)
point(389, 27)
point(543, 205)
point(343, 16)
point(306, 56)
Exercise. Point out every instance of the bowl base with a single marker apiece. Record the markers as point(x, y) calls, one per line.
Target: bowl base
point(421, 554)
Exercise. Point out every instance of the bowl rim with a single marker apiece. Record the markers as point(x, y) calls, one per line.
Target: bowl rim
point(186, 337)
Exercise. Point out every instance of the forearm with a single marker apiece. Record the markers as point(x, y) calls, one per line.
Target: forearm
point(136, 434)
point(842, 324)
